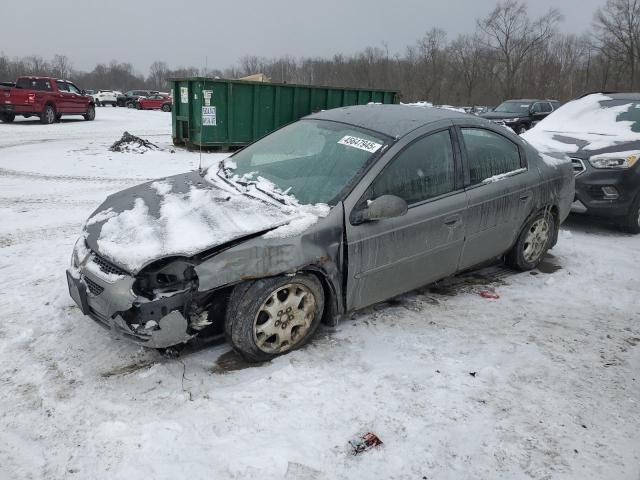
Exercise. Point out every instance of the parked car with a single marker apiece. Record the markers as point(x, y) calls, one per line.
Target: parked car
point(601, 134)
point(45, 97)
point(340, 210)
point(154, 102)
point(521, 115)
point(127, 99)
point(105, 97)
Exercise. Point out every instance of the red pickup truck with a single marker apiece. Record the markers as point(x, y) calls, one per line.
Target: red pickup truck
point(44, 97)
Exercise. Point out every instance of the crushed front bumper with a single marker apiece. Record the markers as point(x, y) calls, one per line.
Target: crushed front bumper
point(108, 300)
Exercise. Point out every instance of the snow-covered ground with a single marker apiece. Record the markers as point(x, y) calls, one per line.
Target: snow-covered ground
point(543, 382)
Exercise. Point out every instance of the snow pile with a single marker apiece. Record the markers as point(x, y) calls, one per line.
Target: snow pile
point(206, 216)
point(131, 143)
point(584, 120)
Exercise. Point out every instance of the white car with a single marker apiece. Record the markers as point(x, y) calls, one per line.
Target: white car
point(105, 97)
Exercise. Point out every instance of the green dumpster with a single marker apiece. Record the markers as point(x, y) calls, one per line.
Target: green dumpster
point(212, 112)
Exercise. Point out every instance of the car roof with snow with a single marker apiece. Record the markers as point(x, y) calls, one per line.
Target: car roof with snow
point(392, 120)
point(634, 96)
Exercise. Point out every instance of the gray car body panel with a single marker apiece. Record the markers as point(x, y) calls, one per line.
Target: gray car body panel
point(369, 262)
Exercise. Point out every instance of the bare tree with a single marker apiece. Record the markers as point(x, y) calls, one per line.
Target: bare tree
point(61, 66)
point(158, 75)
point(467, 57)
point(513, 36)
point(618, 31)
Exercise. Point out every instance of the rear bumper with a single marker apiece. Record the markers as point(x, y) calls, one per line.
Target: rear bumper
point(19, 109)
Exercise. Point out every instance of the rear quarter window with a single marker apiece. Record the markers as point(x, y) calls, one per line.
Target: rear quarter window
point(489, 154)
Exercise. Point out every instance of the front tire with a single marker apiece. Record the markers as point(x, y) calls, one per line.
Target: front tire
point(91, 113)
point(138, 106)
point(533, 242)
point(273, 316)
point(48, 115)
point(631, 223)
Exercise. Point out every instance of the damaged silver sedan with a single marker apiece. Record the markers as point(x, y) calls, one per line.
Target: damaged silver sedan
point(330, 214)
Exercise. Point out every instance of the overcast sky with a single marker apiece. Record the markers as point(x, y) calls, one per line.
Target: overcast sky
point(184, 32)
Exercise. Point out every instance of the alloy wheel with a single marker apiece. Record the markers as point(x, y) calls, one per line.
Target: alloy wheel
point(536, 240)
point(284, 318)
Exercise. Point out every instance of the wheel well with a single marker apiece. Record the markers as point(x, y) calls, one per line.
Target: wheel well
point(330, 314)
point(50, 104)
point(556, 216)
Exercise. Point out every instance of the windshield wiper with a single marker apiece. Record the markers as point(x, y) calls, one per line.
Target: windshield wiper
point(223, 174)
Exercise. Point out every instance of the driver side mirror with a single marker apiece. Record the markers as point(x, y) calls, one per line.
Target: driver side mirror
point(385, 206)
point(83, 92)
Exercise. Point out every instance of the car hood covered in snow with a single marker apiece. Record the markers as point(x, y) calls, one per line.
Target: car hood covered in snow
point(187, 214)
point(582, 125)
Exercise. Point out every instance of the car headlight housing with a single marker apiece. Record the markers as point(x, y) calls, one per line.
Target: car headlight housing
point(615, 160)
point(80, 253)
point(512, 120)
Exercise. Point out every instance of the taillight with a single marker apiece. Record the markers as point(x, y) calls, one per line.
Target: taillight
point(31, 98)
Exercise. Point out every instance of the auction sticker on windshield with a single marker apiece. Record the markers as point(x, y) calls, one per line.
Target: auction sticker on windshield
point(361, 143)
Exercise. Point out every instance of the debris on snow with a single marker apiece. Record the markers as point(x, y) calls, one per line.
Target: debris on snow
point(489, 294)
point(133, 144)
point(365, 442)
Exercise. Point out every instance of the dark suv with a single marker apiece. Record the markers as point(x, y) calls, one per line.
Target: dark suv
point(129, 98)
point(601, 134)
point(521, 115)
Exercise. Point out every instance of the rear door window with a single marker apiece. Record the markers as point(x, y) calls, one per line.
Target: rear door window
point(423, 170)
point(546, 107)
point(489, 154)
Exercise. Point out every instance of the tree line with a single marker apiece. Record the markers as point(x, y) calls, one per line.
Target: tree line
point(509, 55)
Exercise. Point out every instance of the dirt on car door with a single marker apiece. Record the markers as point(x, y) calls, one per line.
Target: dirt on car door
point(395, 255)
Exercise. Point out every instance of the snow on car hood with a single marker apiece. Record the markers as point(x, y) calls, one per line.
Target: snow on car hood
point(186, 214)
point(582, 124)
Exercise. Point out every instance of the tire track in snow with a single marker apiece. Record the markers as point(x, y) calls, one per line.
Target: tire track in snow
point(5, 172)
point(18, 237)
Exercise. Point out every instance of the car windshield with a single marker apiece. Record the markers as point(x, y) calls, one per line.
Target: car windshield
point(313, 160)
point(513, 107)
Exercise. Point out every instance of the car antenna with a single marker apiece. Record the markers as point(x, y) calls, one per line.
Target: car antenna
point(200, 172)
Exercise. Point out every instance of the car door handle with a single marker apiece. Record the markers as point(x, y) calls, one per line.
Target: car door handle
point(524, 197)
point(452, 220)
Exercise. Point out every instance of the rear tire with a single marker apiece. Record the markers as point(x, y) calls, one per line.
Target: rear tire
point(113, 104)
point(631, 223)
point(98, 104)
point(48, 115)
point(273, 316)
point(7, 117)
point(91, 113)
point(533, 242)
point(166, 108)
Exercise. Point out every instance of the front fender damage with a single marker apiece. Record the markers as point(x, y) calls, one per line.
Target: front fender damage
point(318, 250)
